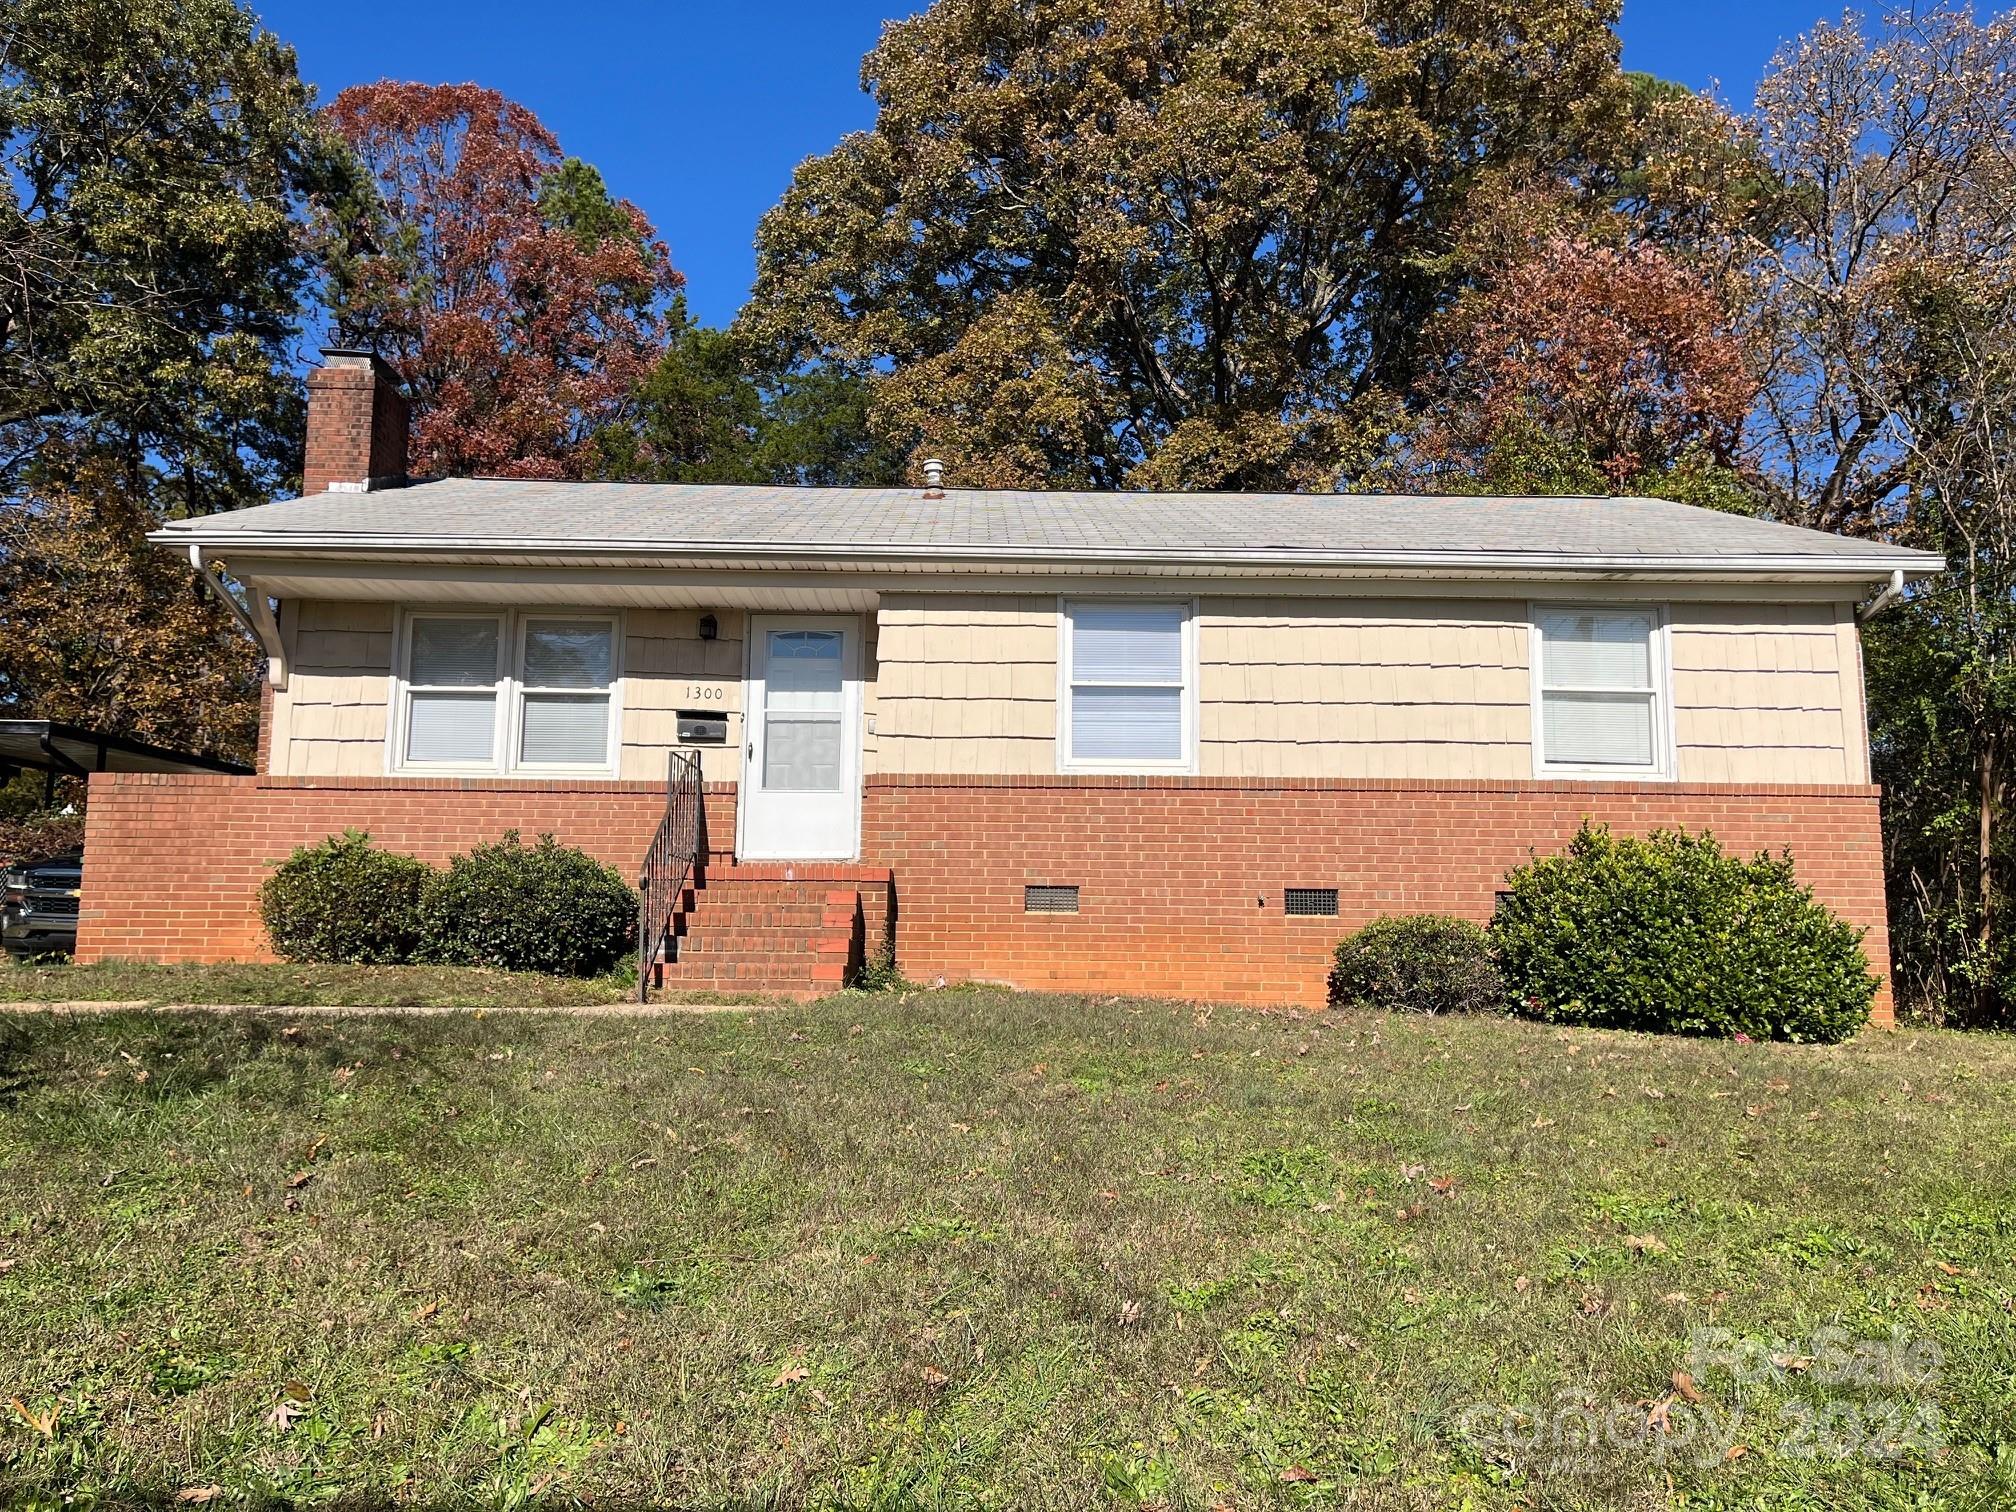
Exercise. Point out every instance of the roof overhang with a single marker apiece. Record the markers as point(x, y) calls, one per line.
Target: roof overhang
point(269, 554)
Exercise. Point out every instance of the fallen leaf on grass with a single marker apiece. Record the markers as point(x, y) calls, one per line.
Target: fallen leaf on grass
point(284, 1415)
point(1298, 1475)
point(1130, 1313)
point(426, 1312)
point(1522, 1284)
point(1645, 1244)
point(1442, 1186)
point(1409, 1214)
point(791, 1375)
point(1684, 1384)
point(199, 1494)
point(1736, 1452)
point(43, 1423)
point(933, 1376)
point(298, 1180)
point(1951, 1270)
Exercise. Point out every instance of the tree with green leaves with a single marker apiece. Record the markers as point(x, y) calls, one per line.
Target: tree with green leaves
point(159, 154)
point(1130, 244)
point(707, 413)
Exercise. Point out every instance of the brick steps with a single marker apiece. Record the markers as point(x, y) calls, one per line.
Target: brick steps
point(751, 929)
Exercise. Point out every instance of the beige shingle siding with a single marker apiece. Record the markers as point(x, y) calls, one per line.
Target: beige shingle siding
point(1362, 688)
point(1766, 693)
point(330, 718)
point(966, 682)
point(664, 661)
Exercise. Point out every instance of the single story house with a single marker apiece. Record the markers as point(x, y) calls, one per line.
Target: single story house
point(1156, 743)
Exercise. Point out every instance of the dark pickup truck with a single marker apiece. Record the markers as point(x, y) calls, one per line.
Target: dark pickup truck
point(38, 910)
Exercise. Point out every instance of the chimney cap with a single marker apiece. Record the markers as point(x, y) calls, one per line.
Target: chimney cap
point(934, 473)
point(355, 356)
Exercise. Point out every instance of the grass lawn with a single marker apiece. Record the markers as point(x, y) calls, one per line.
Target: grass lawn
point(974, 1248)
point(306, 986)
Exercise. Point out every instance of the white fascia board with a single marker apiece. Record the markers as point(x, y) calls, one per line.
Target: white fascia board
point(743, 554)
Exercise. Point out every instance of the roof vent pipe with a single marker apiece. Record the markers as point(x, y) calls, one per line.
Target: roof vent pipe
point(934, 478)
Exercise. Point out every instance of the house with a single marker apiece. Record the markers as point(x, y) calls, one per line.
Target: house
point(1156, 743)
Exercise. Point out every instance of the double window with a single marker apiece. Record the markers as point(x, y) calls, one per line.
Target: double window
point(1599, 679)
point(1128, 687)
point(507, 693)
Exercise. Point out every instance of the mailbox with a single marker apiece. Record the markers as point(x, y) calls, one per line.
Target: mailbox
point(703, 727)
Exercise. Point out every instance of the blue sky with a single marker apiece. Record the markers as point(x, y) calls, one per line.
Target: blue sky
point(699, 112)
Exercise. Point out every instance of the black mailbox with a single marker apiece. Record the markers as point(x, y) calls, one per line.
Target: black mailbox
point(702, 727)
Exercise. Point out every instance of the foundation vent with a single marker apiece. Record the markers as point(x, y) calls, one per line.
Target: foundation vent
point(1050, 900)
point(1310, 902)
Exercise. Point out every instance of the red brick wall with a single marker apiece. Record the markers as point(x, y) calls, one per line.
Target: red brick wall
point(1181, 878)
point(174, 864)
point(356, 425)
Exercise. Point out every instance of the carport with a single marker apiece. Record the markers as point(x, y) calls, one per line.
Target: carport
point(65, 750)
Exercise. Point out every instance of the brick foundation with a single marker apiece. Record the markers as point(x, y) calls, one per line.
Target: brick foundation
point(1181, 878)
point(176, 862)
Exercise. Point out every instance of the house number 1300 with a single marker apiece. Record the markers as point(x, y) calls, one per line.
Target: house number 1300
point(706, 691)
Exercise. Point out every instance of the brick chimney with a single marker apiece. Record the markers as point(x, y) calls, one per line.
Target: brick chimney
point(356, 425)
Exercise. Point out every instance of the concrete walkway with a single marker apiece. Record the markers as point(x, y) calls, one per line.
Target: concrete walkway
point(587, 1010)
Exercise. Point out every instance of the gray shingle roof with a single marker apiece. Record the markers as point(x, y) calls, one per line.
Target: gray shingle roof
point(492, 514)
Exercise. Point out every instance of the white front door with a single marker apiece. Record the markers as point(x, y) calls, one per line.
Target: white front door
point(800, 795)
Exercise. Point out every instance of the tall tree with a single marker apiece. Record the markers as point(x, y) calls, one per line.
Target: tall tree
point(158, 155)
point(1129, 242)
point(1888, 306)
point(709, 413)
point(1622, 359)
point(519, 302)
point(102, 629)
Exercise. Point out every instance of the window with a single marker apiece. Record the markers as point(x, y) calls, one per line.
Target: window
point(1599, 673)
point(552, 698)
point(1127, 687)
point(453, 678)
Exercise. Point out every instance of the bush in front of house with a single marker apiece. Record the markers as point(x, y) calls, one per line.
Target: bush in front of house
point(545, 907)
point(1673, 934)
point(1418, 963)
point(344, 900)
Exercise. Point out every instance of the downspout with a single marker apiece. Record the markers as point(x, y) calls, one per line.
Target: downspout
point(1885, 597)
point(257, 622)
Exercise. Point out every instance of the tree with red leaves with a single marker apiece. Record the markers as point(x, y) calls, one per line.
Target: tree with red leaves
point(520, 304)
point(1586, 367)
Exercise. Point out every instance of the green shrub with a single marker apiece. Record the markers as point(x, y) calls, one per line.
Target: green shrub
point(1672, 934)
point(344, 900)
point(547, 908)
point(1418, 963)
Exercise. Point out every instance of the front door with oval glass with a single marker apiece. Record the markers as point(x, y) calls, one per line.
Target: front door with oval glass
point(800, 794)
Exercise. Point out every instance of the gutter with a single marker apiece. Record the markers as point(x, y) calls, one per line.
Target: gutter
point(257, 622)
point(766, 553)
point(1888, 595)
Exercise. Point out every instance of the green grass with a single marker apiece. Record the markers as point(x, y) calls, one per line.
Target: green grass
point(976, 1249)
point(307, 986)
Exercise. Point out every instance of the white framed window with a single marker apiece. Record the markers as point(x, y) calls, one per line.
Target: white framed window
point(452, 689)
point(1600, 706)
point(504, 692)
point(1127, 686)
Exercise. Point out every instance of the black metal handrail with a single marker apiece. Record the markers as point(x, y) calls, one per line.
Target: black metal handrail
point(668, 865)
